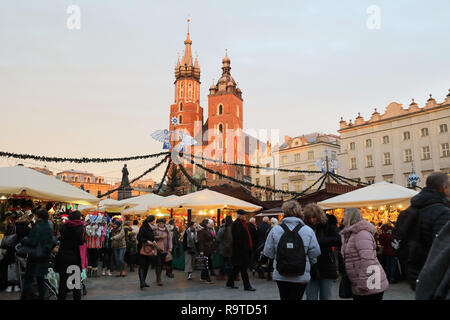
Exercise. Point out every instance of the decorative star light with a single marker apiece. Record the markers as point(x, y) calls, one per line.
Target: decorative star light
point(174, 121)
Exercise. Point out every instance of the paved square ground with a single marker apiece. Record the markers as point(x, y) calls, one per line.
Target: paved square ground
point(179, 288)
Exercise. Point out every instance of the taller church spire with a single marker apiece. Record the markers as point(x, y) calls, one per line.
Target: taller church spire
point(187, 69)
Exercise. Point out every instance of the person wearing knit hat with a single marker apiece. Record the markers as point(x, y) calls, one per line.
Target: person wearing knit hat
point(241, 253)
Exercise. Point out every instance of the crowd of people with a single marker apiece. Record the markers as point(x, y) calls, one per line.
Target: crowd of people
point(305, 253)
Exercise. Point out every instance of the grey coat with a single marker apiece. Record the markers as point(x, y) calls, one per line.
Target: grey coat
point(312, 248)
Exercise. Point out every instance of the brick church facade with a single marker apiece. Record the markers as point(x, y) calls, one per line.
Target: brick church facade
point(221, 135)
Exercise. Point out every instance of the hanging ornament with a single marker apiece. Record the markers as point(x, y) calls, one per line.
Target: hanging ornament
point(162, 136)
point(413, 179)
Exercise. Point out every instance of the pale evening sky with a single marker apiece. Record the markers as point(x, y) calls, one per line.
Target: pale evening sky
point(101, 90)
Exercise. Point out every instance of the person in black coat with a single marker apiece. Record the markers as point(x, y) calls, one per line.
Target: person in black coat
point(145, 236)
point(254, 234)
point(263, 231)
point(324, 271)
point(72, 237)
point(433, 282)
point(430, 212)
point(242, 248)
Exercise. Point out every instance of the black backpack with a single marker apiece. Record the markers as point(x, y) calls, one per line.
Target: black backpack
point(291, 257)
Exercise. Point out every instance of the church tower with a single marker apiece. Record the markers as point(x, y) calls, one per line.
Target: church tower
point(225, 120)
point(186, 107)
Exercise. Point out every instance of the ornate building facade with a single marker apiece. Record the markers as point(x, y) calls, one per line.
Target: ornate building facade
point(390, 146)
point(221, 135)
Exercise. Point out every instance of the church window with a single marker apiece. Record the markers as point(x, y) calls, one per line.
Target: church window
point(180, 119)
point(221, 128)
point(220, 109)
point(181, 106)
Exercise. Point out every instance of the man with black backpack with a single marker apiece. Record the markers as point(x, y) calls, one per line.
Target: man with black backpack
point(292, 245)
point(418, 226)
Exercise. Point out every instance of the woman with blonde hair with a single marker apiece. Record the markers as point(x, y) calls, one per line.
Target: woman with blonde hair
point(324, 271)
point(367, 277)
point(292, 287)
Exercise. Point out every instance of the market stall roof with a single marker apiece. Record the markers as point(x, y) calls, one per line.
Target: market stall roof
point(377, 194)
point(160, 202)
point(208, 199)
point(270, 212)
point(101, 205)
point(119, 206)
point(22, 181)
point(143, 203)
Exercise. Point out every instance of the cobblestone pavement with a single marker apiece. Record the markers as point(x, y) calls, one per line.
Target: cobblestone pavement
point(127, 288)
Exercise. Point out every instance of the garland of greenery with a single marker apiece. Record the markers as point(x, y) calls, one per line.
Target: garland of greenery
point(191, 180)
point(164, 176)
point(77, 160)
point(351, 180)
point(253, 166)
point(297, 194)
point(139, 177)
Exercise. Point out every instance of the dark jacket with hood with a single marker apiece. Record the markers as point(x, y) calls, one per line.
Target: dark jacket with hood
point(72, 237)
point(206, 241)
point(328, 236)
point(434, 213)
point(434, 279)
point(428, 213)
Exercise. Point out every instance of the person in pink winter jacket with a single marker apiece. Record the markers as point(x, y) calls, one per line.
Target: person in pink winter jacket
point(366, 275)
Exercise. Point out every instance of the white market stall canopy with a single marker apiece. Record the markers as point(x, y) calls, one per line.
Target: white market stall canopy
point(101, 205)
point(377, 194)
point(143, 203)
point(208, 199)
point(23, 181)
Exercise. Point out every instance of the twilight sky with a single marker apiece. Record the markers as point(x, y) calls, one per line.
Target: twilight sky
point(102, 90)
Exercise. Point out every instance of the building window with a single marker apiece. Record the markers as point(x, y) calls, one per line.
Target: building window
point(369, 161)
point(333, 155)
point(284, 175)
point(284, 159)
point(189, 90)
point(445, 150)
point(443, 128)
point(310, 155)
point(352, 146)
point(368, 143)
point(99, 193)
point(353, 163)
point(426, 153)
point(424, 132)
point(297, 157)
point(257, 181)
point(220, 109)
point(387, 158)
point(285, 186)
point(388, 178)
point(257, 170)
point(221, 128)
point(370, 180)
point(181, 107)
point(267, 181)
point(407, 155)
point(298, 186)
point(180, 119)
point(406, 135)
point(385, 139)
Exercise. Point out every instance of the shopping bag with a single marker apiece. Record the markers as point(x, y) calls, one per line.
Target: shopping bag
point(201, 263)
point(13, 273)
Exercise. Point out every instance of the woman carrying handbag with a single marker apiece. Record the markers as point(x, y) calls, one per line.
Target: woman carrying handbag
point(146, 248)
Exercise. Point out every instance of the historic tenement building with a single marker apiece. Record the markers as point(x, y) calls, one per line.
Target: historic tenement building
point(391, 145)
point(298, 153)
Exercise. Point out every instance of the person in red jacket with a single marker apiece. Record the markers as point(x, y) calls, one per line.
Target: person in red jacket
point(389, 259)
